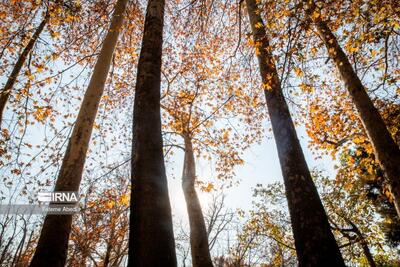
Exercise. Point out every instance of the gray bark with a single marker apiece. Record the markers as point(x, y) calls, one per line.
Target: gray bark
point(52, 246)
point(314, 241)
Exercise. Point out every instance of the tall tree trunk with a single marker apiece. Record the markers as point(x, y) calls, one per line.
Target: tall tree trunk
point(8, 87)
point(52, 246)
point(315, 243)
point(385, 148)
point(151, 237)
point(198, 233)
point(364, 243)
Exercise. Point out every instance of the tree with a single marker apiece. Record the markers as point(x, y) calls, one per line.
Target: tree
point(198, 233)
point(53, 242)
point(200, 116)
point(8, 87)
point(315, 243)
point(218, 220)
point(151, 238)
point(100, 233)
point(334, 127)
point(49, 16)
point(385, 148)
point(351, 216)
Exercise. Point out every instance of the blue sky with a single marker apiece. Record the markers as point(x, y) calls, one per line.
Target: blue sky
point(261, 167)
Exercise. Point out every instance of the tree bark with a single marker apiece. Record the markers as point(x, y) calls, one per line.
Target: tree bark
point(106, 261)
point(364, 243)
point(8, 87)
point(151, 237)
point(385, 148)
point(52, 246)
point(367, 253)
point(314, 241)
point(198, 233)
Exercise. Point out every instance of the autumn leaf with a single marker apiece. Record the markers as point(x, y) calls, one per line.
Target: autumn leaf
point(41, 113)
point(259, 25)
point(208, 188)
point(298, 72)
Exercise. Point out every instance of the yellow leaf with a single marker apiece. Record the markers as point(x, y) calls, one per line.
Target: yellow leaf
point(124, 200)
point(55, 35)
point(48, 80)
point(259, 25)
point(42, 113)
point(348, 186)
point(225, 137)
point(110, 204)
point(314, 50)
point(298, 72)
point(315, 15)
point(208, 188)
point(306, 87)
point(40, 68)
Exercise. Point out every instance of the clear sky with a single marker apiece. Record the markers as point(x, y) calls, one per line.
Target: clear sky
point(261, 167)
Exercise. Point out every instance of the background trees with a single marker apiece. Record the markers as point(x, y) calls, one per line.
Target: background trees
point(207, 97)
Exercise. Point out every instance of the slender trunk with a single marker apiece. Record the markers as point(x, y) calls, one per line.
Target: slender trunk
point(315, 243)
point(367, 253)
point(198, 233)
point(109, 247)
point(364, 243)
point(19, 247)
point(8, 87)
point(151, 237)
point(52, 246)
point(385, 148)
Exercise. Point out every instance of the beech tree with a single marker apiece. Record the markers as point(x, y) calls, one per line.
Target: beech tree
point(53, 242)
point(315, 243)
point(385, 148)
point(201, 116)
point(151, 238)
point(331, 129)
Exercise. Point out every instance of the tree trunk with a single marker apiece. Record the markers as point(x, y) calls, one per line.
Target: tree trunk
point(151, 237)
point(198, 233)
point(364, 243)
point(315, 243)
point(106, 261)
point(385, 148)
point(367, 253)
point(8, 87)
point(52, 247)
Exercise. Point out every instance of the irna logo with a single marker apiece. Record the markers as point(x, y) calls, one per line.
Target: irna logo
point(58, 197)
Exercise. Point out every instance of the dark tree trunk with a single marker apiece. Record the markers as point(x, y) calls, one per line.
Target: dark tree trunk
point(8, 87)
point(385, 148)
point(315, 243)
point(151, 237)
point(367, 252)
point(52, 246)
point(364, 243)
point(198, 233)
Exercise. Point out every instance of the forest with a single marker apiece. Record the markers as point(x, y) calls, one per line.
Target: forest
point(203, 133)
